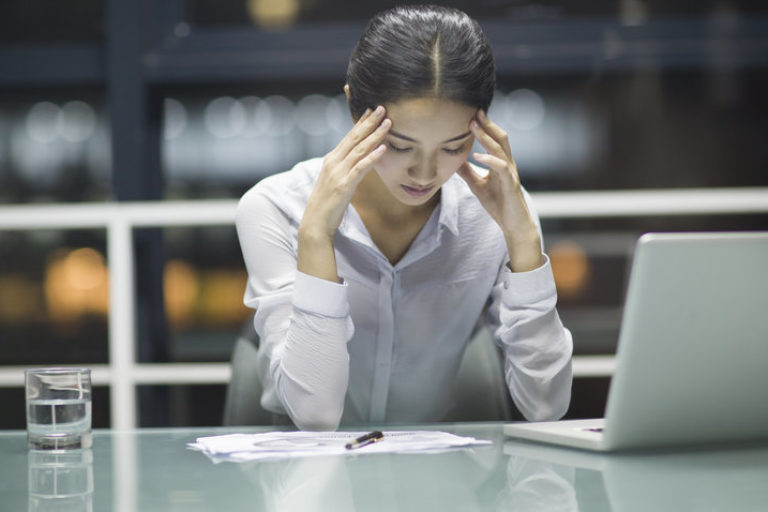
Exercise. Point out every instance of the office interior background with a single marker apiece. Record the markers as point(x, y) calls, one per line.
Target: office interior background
point(111, 101)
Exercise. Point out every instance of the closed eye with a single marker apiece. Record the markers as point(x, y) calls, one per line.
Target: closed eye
point(454, 151)
point(398, 148)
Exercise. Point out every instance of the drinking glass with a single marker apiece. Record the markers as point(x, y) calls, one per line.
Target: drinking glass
point(58, 408)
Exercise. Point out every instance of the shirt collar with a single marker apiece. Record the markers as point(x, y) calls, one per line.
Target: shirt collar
point(353, 228)
point(449, 205)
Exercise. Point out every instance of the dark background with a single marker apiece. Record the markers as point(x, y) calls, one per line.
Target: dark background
point(113, 100)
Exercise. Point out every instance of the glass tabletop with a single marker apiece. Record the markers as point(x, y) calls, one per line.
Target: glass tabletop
point(153, 470)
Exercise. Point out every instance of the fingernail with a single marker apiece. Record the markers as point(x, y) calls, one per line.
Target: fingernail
point(379, 110)
point(473, 125)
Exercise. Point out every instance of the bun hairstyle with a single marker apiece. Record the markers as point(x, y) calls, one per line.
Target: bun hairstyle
point(421, 51)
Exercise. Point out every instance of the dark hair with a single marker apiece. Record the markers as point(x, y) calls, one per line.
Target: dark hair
point(421, 51)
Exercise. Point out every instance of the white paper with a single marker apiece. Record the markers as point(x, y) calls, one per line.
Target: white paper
point(277, 445)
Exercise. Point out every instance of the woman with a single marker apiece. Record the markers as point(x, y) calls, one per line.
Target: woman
point(369, 268)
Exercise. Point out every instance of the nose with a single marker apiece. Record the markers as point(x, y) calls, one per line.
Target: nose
point(423, 169)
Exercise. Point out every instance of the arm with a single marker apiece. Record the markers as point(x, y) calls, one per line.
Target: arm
point(501, 194)
point(302, 313)
point(343, 170)
point(303, 322)
point(537, 347)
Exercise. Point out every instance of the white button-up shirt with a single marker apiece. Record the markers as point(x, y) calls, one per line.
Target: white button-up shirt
point(385, 344)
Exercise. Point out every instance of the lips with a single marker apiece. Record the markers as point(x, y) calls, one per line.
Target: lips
point(417, 191)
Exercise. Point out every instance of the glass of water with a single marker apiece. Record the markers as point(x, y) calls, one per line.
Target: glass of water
point(58, 408)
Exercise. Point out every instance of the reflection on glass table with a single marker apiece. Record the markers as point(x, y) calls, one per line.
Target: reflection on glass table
point(152, 469)
point(60, 481)
point(708, 479)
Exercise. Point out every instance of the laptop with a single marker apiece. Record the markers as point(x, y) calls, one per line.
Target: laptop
point(692, 357)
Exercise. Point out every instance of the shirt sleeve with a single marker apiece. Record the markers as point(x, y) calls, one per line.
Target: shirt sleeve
point(537, 347)
point(303, 322)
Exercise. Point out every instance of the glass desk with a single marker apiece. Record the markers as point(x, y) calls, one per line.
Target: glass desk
point(152, 470)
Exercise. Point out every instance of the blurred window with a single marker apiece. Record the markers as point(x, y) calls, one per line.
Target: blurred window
point(203, 283)
point(54, 147)
point(284, 13)
point(644, 128)
point(679, 116)
point(591, 259)
point(647, 128)
point(54, 297)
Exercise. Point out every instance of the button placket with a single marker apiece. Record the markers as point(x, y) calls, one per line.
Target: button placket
point(384, 345)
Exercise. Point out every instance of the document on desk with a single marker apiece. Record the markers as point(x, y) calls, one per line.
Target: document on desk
point(280, 445)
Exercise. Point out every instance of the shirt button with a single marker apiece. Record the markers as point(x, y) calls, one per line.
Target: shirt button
point(506, 284)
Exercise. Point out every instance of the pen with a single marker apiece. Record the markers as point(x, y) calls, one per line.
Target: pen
point(365, 440)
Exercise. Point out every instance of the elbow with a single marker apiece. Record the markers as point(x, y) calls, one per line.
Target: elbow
point(315, 402)
point(317, 420)
point(548, 411)
point(547, 401)
point(312, 411)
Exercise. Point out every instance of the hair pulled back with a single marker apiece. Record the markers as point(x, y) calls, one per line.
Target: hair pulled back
point(421, 51)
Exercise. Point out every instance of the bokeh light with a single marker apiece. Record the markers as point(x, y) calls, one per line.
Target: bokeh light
point(76, 284)
point(76, 121)
point(181, 290)
point(571, 268)
point(175, 118)
point(42, 122)
point(224, 117)
point(273, 13)
point(20, 298)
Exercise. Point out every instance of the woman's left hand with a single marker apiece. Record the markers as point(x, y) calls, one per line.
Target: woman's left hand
point(501, 193)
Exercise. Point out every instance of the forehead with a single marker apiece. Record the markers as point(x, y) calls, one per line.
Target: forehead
point(430, 119)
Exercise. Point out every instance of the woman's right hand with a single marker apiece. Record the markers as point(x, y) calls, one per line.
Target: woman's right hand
point(343, 170)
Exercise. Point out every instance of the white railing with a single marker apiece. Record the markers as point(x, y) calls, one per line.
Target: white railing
point(123, 374)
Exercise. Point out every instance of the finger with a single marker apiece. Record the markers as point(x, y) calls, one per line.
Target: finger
point(365, 164)
point(365, 115)
point(367, 145)
point(484, 138)
point(337, 154)
point(496, 131)
point(491, 161)
point(366, 125)
point(468, 174)
point(352, 136)
point(501, 167)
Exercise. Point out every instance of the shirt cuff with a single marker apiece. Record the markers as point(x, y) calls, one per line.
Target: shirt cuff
point(320, 296)
point(528, 287)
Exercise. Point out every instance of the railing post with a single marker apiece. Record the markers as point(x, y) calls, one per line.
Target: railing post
point(122, 327)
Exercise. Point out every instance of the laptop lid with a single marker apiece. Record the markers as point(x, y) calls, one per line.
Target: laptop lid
point(692, 359)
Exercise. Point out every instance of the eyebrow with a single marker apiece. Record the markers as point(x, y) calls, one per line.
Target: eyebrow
point(405, 137)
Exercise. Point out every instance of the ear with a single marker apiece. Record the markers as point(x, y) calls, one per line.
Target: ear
point(346, 93)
